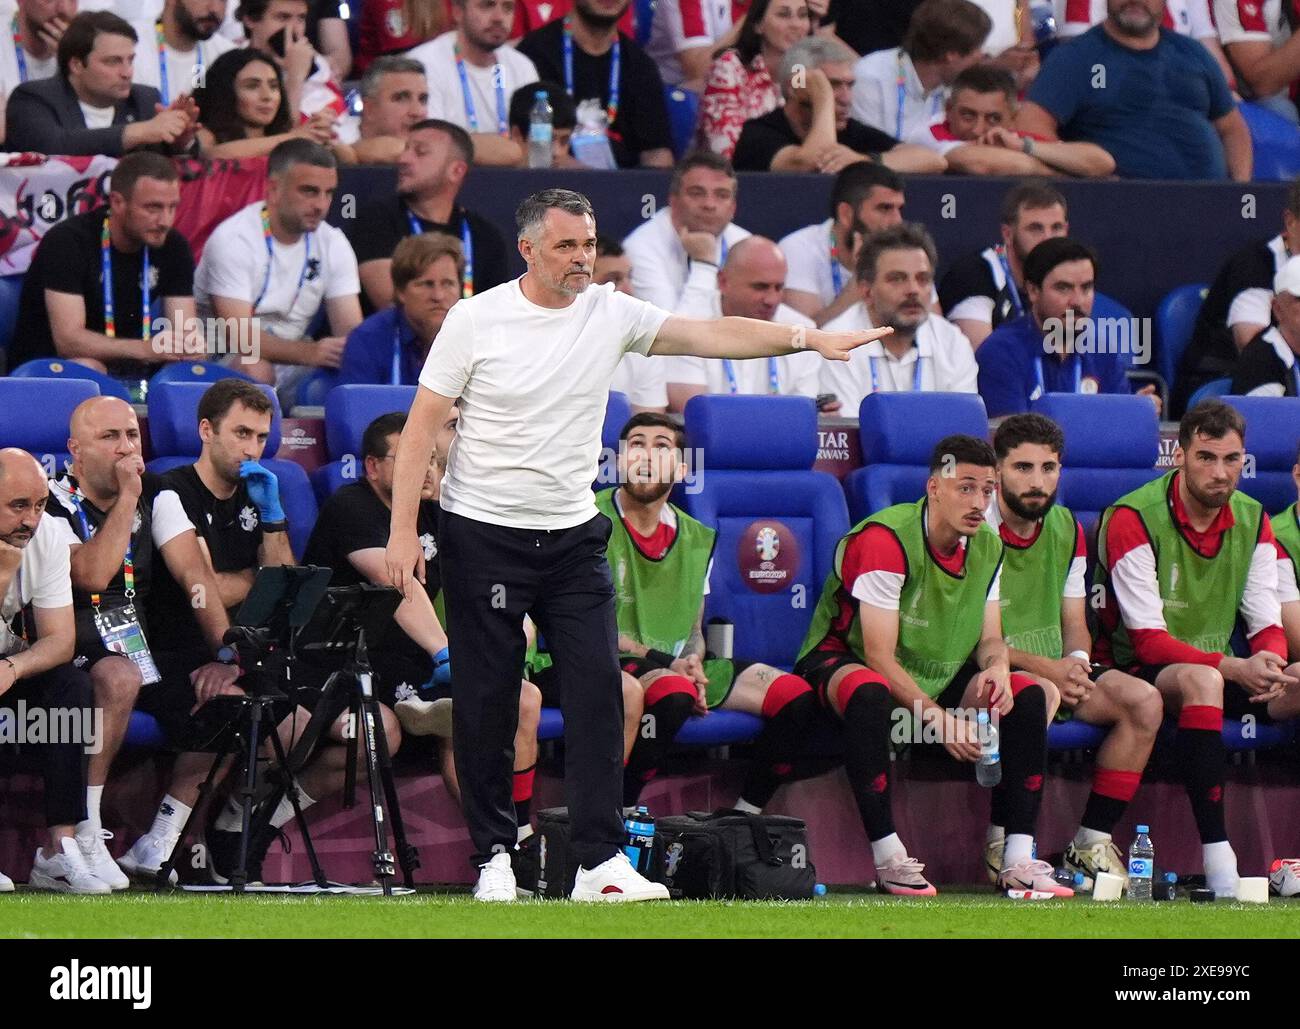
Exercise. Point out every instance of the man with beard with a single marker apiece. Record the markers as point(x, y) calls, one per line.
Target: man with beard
point(472, 76)
point(1045, 627)
point(1155, 101)
point(895, 279)
point(390, 347)
point(661, 558)
point(30, 49)
point(1181, 558)
point(175, 51)
point(430, 173)
point(1054, 348)
point(586, 52)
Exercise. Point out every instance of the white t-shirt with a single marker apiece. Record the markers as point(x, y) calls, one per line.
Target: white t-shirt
point(10, 77)
point(96, 117)
point(810, 267)
point(533, 384)
point(684, 25)
point(643, 379)
point(235, 265)
point(183, 68)
point(43, 579)
point(946, 356)
point(1186, 17)
point(447, 98)
point(659, 261)
point(875, 94)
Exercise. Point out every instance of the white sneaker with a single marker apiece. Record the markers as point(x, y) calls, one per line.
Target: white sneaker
point(100, 860)
point(6, 884)
point(496, 880)
point(424, 717)
point(616, 881)
point(66, 872)
point(146, 857)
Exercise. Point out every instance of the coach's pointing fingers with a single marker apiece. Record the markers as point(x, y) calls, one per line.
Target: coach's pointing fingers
point(836, 346)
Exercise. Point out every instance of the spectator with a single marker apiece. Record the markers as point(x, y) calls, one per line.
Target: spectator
point(901, 91)
point(394, 26)
point(740, 84)
point(637, 376)
point(328, 33)
point(90, 106)
point(976, 136)
point(865, 198)
point(1054, 348)
point(531, 15)
point(430, 174)
point(1268, 366)
point(895, 279)
point(981, 291)
point(748, 286)
point(390, 346)
point(244, 109)
point(564, 119)
point(308, 76)
point(36, 665)
point(472, 75)
point(394, 97)
point(701, 204)
point(608, 66)
point(813, 131)
point(86, 296)
point(278, 261)
point(1166, 112)
point(683, 35)
point(1238, 306)
point(177, 50)
point(30, 50)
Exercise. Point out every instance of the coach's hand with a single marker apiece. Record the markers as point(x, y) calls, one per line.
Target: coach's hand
point(960, 737)
point(404, 558)
point(834, 346)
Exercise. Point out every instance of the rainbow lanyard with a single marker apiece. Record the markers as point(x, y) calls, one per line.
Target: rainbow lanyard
point(902, 97)
point(128, 565)
point(614, 62)
point(498, 83)
point(18, 49)
point(773, 386)
point(146, 301)
point(466, 246)
point(916, 375)
point(1014, 292)
point(837, 277)
point(270, 263)
point(163, 87)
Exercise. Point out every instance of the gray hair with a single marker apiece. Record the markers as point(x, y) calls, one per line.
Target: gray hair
point(907, 236)
point(813, 52)
point(530, 214)
point(298, 151)
point(392, 64)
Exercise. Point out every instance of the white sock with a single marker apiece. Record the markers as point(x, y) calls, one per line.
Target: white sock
point(1220, 868)
point(886, 847)
point(1085, 837)
point(284, 810)
point(1020, 847)
point(743, 805)
point(996, 834)
point(170, 817)
point(92, 824)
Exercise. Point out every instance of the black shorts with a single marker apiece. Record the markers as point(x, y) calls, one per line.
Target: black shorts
point(1236, 700)
point(818, 667)
point(171, 699)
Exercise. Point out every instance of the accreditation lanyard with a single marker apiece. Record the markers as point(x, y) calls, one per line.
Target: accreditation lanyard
point(128, 565)
point(163, 86)
point(466, 247)
point(146, 299)
point(18, 49)
point(270, 263)
point(1012, 289)
point(1038, 373)
point(773, 384)
point(837, 277)
point(498, 83)
point(902, 97)
point(614, 61)
point(916, 375)
point(397, 352)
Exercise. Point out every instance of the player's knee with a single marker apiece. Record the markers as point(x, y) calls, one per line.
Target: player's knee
point(116, 682)
point(633, 696)
point(530, 705)
point(1143, 706)
point(863, 685)
point(1032, 697)
point(670, 689)
point(783, 691)
point(1200, 684)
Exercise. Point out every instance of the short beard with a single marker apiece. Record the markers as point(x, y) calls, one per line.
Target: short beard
point(190, 27)
point(1204, 499)
point(1022, 510)
point(1132, 30)
point(647, 493)
point(604, 22)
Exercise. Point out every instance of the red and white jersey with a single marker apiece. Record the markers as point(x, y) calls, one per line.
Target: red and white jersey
point(1186, 17)
point(1251, 21)
point(874, 569)
point(684, 25)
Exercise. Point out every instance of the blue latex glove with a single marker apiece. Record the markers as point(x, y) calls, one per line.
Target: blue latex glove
point(442, 667)
point(263, 490)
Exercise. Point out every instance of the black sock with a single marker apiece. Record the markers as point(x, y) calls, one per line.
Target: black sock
point(1203, 758)
point(1023, 742)
point(522, 792)
point(653, 741)
point(866, 756)
point(998, 809)
point(777, 749)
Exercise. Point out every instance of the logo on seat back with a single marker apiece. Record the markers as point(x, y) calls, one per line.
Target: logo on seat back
point(767, 554)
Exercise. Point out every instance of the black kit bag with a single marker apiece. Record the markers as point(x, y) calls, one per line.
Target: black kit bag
point(734, 855)
point(545, 864)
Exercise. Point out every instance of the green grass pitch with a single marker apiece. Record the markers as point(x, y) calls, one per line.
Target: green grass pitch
point(437, 915)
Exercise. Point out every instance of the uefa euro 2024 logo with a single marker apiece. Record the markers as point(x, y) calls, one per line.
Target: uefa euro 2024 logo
point(768, 544)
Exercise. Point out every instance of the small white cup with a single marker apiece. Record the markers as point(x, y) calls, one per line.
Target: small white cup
point(1253, 890)
point(1108, 886)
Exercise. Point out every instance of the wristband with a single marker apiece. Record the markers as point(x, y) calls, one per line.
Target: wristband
point(280, 526)
point(660, 658)
point(1082, 655)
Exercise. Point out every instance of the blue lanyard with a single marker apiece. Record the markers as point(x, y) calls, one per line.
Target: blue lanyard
point(128, 563)
point(1012, 289)
point(1295, 374)
point(773, 385)
point(18, 49)
point(163, 86)
point(837, 277)
point(611, 110)
point(902, 97)
point(466, 248)
point(397, 352)
point(497, 81)
point(270, 262)
point(106, 273)
point(916, 375)
point(1038, 373)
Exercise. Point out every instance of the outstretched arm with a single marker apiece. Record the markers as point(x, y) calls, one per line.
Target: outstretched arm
point(741, 338)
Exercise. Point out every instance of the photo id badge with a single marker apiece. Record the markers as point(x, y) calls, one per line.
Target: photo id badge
point(120, 630)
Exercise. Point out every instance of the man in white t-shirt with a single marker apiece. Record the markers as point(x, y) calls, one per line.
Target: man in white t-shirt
point(531, 362)
point(637, 376)
point(271, 265)
point(473, 74)
point(683, 36)
point(749, 285)
point(29, 41)
point(394, 99)
point(37, 638)
point(895, 279)
point(701, 200)
point(190, 43)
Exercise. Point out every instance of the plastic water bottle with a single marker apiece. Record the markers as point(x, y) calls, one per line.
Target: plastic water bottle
point(640, 826)
point(989, 770)
point(1141, 865)
point(541, 131)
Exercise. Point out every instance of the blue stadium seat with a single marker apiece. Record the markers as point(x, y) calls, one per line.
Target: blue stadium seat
point(617, 412)
point(11, 288)
point(313, 390)
point(683, 108)
point(898, 432)
point(1272, 435)
point(34, 415)
point(1213, 388)
point(719, 728)
point(206, 372)
point(1175, 320)
point(57, 368)
point(1259, 736)
point(143, 730)
point(1111, 445)
point(644, 17)
point(551, 725)
point(755, 478)
point(1074, 735)
point(1275, 144)
point(348, 410)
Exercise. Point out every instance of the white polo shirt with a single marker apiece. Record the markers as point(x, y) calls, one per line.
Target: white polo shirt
point(533, 384)
point(43, 579)
point(446, 95)
point(659, 261)
point(875, 94)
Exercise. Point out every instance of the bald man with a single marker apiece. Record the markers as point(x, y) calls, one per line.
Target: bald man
point(37, 634)
point(749, 285)
point(117, 521)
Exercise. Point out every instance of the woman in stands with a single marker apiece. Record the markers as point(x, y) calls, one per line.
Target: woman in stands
point(244, 109)
point(740, 85)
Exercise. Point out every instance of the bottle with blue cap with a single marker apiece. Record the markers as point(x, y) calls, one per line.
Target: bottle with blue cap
point(640, 826)
point(1141, 864)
